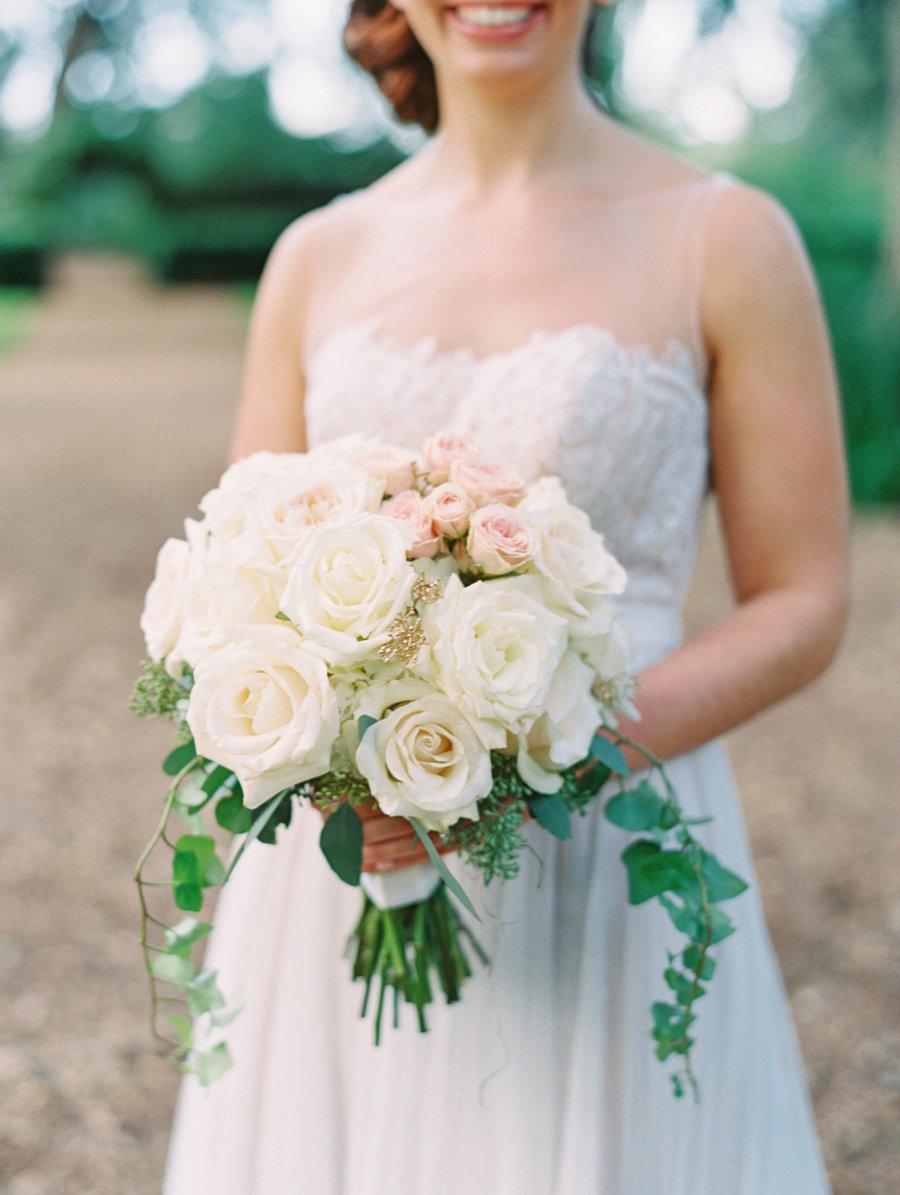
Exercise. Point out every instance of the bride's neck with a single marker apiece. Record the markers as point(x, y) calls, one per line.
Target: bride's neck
point(492, 145)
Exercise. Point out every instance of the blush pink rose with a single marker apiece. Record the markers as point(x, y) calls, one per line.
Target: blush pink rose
point(450, 508)
point(486, 481)
point(396, 467)
point(499, 540)
point(442, 450)
point(408, 508)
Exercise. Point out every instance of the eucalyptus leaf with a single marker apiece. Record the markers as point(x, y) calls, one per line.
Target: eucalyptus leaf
point(364, 722)
point(551, 812)
point(446, 875)
point(341, 841)
point(607, 752)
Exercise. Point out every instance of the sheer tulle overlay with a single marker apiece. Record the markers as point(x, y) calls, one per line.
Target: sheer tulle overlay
point(542, 1081)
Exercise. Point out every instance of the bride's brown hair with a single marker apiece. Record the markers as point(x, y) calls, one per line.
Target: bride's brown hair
point(378, 37)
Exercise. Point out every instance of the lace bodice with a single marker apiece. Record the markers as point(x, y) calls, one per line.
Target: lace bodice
point(623, 424)
point(624, 428)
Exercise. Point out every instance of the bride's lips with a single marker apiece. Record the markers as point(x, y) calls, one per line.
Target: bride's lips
point(456, 17)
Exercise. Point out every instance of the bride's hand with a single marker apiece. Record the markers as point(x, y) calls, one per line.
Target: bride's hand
point(390, 843)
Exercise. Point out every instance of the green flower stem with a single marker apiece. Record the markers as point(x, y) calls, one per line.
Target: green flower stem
point(400, 949)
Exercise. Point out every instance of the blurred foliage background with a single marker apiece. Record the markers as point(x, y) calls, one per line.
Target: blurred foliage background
point(189, 133)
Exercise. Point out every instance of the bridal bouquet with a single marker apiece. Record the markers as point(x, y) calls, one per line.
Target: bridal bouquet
point(364, 627)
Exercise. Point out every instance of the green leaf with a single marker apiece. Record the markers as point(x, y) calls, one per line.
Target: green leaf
point(341, 841)
point(265, 814)
point(692, 955)
point(183, 1030)
point(639, 808)
point(208, 872)
point(172, 968)
point(634, 856)
point(653, 871)
point(216, 780)
point(284, 812)
point(185, 868)
point(607, 752)
point(682, 985)
point(203, 993)
point(179, 758)
point(722, 883)
point(225, 1015)
point(551, 812)
point(446, 875)
point(364, 722)
point(722, 925)
point(231, 813)
point(181, 938)
point(188, 897)
point(209, 1065)
point(190, 796)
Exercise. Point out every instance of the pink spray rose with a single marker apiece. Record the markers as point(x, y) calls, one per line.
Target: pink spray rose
point(499, 540)
point(450, 508)
point(442, 450)
point(407, 507)
point(486, 481)
point(394, 466)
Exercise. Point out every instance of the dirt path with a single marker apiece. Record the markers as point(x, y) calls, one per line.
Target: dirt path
point(113, 420)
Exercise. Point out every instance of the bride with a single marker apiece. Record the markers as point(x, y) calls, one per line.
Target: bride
point(581, 302)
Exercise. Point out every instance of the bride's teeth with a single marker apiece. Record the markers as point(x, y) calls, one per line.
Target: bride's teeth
point(494, 15)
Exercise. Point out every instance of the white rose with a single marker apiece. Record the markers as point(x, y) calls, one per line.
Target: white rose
point(562, 735)
point(222, 598)
point(264, 708)
point(225, 506)
point(163, 613)
point(496, 647)
point(608, 654)
point(347, 583)
point(579, 573)
point(280, 512)
point(424, 760)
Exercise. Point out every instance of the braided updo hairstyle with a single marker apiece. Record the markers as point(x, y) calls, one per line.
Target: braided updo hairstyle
point(377, 36)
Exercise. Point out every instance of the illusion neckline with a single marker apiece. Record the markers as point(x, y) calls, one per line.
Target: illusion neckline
point(675, 355)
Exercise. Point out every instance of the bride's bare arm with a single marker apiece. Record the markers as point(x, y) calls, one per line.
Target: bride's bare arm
point(779, 474)
point(270, 414)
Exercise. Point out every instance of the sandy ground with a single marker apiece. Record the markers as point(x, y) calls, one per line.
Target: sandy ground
point(114, 418)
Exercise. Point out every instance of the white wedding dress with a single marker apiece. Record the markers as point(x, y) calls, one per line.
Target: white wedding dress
point(543, 1080)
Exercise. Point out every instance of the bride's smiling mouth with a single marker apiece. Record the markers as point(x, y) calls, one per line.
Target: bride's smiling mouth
point(495, 22)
